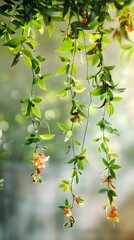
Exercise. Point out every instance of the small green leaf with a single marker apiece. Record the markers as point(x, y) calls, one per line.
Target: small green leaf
point(61, 70)
point(50, 29)
point(79, 89)
point(72, 160)
point(83, 152)
point(27, 53)
point(66, 202)
point(96, 139)
point(65, 47)
point(46, 76)
point(96, 91)
point(37, 99)
point(68, 135)
point(41, 84)
point(16, 59)
point(76, 178)
point(95, 58)
point(15, 42)
point(77, 142)
point(110, 197)
point(115, 166)
point(25, 100)
point(27, 60)
point(103, 190)
point(105, 162)
point(62, 127)
point(36, 111)
point(112, 172)
point(116, 99)
point(40, 58)
point(47, 136)
point(106, 39)
point(80, 164)
point(113, 193)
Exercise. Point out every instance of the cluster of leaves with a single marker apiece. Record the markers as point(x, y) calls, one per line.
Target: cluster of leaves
point(86, 21)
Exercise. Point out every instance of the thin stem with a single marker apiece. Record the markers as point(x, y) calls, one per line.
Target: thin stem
point(90, 96)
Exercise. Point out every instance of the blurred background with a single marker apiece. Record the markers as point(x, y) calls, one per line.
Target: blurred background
point(30, 211)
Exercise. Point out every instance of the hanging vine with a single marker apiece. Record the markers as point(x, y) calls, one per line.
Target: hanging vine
point(87, 32)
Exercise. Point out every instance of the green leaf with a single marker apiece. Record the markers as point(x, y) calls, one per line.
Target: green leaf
point(77, 142)
point(110, 197)
point(66, 47)
point(80, 164)
point(90, 77)
point(73, 68)
point(65, 189)
point(27, 60)
point(4, 13)
point(40, 58)
point(96, 139)
point(83, 152)
point(27, 53)
point(116, 99)
point(62, 127)
point(41, 84)
point(37, 99)
point(63, 58)
point(66, 202)
point(112, 172)
point(79, 89)
point(93, 24)
point(95, 58)
point(113, 193)
point(36, 111)
point(105, 162)
point(50, 29)
point(29, 109)
point(68, 135)
point(25, 100)
point(112, 162)
point(46, 76)
point(72, 160)
point(99, 91)
point(16, 59)
point(35, 80)
point(15, 42)
point(109, 68)
point(103, 190)
point(109, 108)
point(66, 7)
point(104, 147)
point(115, 166)
point(76, 177)
point(61, 70)
point(47, 136)
point(106, 39)
point(126, 46)
point(96, 91)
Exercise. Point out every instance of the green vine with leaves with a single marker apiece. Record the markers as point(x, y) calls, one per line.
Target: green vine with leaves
point(87, 32)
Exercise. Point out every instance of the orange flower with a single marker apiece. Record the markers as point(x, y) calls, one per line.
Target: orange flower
point(67, 212)
point(34, 180)
point(79, 201)
point(109, 181)
point(40, 161)
point(113, 214)
point(76, 117)
point(38, 170)
point(84, 20)
point(116, 33)
point(131, 29)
